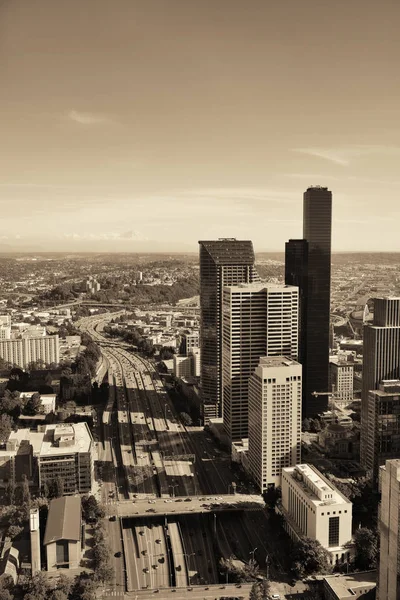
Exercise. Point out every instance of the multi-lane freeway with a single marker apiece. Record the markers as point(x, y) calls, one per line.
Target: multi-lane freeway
point(164, 485)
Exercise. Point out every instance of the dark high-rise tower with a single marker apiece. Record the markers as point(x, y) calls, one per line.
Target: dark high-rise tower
point(308, 265)
point(381, 361)
point(222, 263)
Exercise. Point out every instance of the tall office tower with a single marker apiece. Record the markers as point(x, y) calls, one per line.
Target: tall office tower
point(223, 262)
point(258, 320)
point(389, 530)
point(308, 265)
point(381, 361)
point(274, 419)
point(383, 440)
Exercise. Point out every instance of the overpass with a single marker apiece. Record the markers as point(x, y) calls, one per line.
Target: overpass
point(153, 507)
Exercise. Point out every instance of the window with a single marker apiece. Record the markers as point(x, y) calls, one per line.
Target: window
point(333, 531)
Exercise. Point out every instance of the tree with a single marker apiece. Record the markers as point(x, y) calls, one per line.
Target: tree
point(315, 425)
point(32, 407)
point(272, 495)
point(185, 418)
point(306, 425)
point(366, 549)
point(36, 587)
point(14, 530)
point(260, 590)
point(5, 427)
point(10, 492)
point(64, 584)
point(309, 557)
point(59, 486)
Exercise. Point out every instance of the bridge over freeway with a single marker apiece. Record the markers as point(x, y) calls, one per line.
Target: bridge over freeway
point(152, 507)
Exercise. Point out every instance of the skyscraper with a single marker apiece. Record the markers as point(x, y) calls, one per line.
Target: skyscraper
point(381, 361)
point(389, 529)
point(308, 265)
point(274, 419)
point(258, 320)
point(222, 262)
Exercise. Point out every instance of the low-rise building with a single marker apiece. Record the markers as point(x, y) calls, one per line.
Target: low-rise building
point(63, 535)
point(50, 451)
point(313, 507)
point(350, 586)
point(22, 352)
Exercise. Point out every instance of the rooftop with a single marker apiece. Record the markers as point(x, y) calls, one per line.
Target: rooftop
point(230, 251)
point(276, 361)
point(319, 489)
point(259, 287)
point(346, 585)
point(64, 520)
point(43, 441)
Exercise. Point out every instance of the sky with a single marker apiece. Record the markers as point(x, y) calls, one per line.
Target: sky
point(152, 124)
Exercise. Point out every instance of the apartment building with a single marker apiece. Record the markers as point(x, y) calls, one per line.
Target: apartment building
point(257, 320)
point(274, 419)
point(313, 507)
point(21, 352)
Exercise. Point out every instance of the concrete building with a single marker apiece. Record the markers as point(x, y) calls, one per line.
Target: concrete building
point(21, 352)
point(313, 507)
point(381, 362)
point(67, 450)
point(222, 262)
point(62, 538)
point(341, 371)
point(350, 586)
point(47, 401)
point(52, 450)
point(308, 266)
point(5, 332)
point(274, 419)
point(258, 320)
point(183, 365)
point(196, 361)
point(389, 531)
point(189, 341)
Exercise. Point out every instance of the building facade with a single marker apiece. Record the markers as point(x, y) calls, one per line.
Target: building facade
point(383, 439)
point(274, 419)
point(312, 507)
point(257, 320)
point(21, 352)
point(381, 361)
point(223, 262)
point(389, 531)
point(62, 538)
point(308, 265)
point(341, 371)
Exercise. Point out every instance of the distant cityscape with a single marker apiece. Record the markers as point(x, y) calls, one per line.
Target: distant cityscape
point(231, 415)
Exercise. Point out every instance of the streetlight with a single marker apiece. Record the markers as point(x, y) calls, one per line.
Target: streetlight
point(187, 562)
point(173, 486)
point(252, 552)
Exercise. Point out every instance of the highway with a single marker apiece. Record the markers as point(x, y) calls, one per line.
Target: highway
point(149, 507)
point(161, 482)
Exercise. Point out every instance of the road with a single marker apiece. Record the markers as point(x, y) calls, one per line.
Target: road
point(142, 434)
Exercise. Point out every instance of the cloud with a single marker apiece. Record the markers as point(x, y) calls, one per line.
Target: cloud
point(107, 236)
point(344, 155)
point(87, 118)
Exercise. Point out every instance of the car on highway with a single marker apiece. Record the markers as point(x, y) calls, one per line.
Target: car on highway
point(113, 518)
point(275, 597)
point(141, 532)
point(168, 501)
point(146, 570)
point(158, 541)
point(179, 500)
point(188, 499)
point(118, 554)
